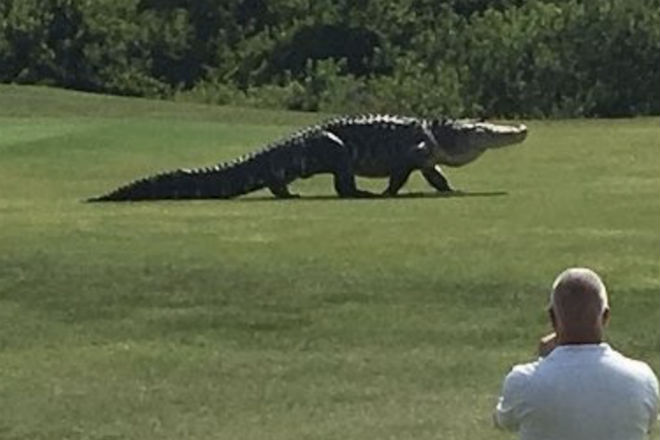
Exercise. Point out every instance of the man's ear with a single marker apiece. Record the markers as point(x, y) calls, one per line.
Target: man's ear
point(553, 318)
point(606, 316)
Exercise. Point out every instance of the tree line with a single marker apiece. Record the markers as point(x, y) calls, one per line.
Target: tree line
point(507, 58)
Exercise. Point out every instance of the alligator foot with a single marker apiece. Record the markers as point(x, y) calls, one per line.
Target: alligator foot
point(366, 194)
point(388, 193)
point(450, 192)
point(360, 194)
point(289, 196)
point(281, 191)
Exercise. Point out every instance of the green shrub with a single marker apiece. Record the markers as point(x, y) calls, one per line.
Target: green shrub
point(211, 92)
point(513, 58)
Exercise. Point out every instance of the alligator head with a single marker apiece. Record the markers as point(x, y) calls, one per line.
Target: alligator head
point(461, 141)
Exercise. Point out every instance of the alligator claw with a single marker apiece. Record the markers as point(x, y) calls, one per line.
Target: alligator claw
point(451, 192)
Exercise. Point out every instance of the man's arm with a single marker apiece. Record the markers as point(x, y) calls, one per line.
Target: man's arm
point(547, 344)
point(509, 406)
point(654, 399)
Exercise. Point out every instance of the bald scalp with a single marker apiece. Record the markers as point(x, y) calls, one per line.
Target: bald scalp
point(578, 299)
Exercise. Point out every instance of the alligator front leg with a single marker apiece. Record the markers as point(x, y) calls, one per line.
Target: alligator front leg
point(398, 178)
point(436, 179)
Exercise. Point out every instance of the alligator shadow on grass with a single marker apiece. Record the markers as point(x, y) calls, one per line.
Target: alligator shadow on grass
point(404, 196)
point(327, 197)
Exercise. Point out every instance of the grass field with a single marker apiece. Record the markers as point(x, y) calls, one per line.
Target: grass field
point(316, 318)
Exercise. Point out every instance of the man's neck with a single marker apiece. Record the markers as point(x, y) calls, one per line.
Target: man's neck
point(580, 343)
point(579, 340)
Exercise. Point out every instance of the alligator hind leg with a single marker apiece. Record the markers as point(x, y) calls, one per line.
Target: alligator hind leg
point(345, 179)
point(398, 178)
point(345, 186)
point(281, 191)
point(436, 179)
point(338, 161)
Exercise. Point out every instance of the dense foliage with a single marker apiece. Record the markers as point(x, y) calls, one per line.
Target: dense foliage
point(461, 57)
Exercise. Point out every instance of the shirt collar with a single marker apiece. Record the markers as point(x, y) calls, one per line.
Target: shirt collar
point(580, 348)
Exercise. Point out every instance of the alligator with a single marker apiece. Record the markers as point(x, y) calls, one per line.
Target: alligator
point(346, 147)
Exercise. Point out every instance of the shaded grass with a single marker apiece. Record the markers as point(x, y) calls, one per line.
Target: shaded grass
point(313, 318)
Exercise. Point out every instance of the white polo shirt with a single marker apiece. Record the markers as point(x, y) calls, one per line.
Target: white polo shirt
point(579, 392)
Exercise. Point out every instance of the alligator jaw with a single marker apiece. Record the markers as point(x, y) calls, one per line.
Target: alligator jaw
point(485, 135)
point(462, 141)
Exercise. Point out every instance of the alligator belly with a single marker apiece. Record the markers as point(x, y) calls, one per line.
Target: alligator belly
point(373, 170)
point(373, 175)
point(374, 163)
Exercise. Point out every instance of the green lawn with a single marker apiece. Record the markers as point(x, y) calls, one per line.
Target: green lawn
point(316, 318)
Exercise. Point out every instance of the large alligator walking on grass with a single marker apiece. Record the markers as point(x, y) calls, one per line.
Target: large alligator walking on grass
point(346, 147)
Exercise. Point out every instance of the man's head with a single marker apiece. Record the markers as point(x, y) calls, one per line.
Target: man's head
point(579, 307)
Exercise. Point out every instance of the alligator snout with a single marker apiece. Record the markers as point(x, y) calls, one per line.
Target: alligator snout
point(522, 132)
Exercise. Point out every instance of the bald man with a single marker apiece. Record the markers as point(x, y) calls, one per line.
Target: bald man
point(580, 388)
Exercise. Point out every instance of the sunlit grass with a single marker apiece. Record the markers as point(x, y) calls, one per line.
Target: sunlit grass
point(312, 318)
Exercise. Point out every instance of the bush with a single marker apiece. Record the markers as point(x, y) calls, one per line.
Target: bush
point(573, 59)
point(211, 92)
point(510, 58)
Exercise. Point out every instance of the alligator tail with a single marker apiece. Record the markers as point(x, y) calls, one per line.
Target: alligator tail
point(277, 165)
point(179, 184)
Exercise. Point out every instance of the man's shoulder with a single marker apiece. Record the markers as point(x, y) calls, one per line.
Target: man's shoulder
point(634, 366)
point(643, 372)
point(521, 373)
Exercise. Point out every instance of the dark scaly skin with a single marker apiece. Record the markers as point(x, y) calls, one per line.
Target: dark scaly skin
point(368, 146)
